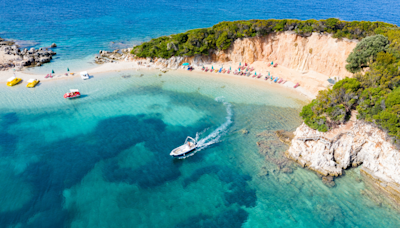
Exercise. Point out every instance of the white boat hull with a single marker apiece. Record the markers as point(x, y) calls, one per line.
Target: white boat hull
point(183, 150)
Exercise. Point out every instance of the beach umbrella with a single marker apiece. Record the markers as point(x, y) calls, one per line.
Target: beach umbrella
point(230, 68)
point(52, 71)
point(269, 74)
point(240, 63)
point(68, 69)
point(239, 69)
point(185, 64)
point(272, 63)
point(212, 67)
point(255, 73)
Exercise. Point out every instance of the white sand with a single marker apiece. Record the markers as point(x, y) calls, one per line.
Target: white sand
point(310, 82)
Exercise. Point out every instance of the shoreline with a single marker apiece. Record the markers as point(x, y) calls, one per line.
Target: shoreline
point(292, 76)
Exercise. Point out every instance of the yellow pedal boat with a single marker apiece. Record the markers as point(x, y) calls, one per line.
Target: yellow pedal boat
point(13, 81)
point(32, 83)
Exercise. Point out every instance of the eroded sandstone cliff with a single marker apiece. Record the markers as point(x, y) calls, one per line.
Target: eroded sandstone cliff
point(320, 53)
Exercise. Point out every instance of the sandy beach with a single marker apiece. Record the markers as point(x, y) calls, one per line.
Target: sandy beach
point(310, 82)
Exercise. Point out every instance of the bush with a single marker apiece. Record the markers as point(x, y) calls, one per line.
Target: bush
point(374, 94)
point(366, 51)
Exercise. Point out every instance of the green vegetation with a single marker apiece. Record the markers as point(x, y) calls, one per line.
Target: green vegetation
point(222, 35)
point(366, 51)
point(375, 94)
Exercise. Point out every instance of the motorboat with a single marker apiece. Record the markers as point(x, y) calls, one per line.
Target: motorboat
point(13, 81)
point(32, 83)
point(74, 93)
point(84, 75)
point(189, 146)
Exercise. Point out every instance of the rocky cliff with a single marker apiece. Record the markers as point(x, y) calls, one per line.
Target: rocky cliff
point(319, 52)
point(353, 144)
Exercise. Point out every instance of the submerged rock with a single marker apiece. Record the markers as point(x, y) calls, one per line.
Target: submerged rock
point(285, 136)
point(53, 45)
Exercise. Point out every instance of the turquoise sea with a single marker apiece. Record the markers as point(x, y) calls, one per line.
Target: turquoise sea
point(103, 160)
point(82, 28)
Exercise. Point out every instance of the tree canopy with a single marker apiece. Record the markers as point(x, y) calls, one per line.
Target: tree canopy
point(366, 51)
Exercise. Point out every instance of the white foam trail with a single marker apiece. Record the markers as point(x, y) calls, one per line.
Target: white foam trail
point(215, 136)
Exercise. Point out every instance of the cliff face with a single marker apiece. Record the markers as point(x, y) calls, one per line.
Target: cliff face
point(320, 53)
point(351, 145)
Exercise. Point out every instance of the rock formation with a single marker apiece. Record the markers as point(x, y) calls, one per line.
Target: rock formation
point(318, 52)
point(25, 57)
point(350, 145)
point(118, 54)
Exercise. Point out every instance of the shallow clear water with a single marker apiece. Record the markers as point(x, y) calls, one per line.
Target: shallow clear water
point(82, 28)
point(103, 160)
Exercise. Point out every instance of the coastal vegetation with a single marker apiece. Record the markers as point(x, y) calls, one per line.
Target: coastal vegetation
point(222, 35)
point(374, 91)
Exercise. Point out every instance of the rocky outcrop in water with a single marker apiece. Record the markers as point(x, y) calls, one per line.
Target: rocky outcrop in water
point(356, 143)
point(15, 57)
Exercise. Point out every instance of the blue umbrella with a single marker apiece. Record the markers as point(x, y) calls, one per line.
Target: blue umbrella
point(52, 71)
point(255, 73)
point(185, 64)
point(230, 68)
point(212, 67)
point(240, 63)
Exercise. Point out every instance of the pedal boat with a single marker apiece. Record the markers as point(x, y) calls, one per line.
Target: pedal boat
point(13, 81)
point(189, 146)
point(74, 93)
point(85, 75)
point(32, 83)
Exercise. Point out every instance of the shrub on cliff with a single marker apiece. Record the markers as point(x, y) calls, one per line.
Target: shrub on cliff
point(366, 52)
point(375, 94)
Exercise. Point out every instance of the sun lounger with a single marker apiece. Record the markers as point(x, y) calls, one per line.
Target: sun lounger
point(275, 65)
point(297, 85)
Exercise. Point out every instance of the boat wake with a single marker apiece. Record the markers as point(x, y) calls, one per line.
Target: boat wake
point(215, 136)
